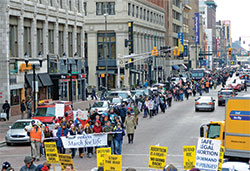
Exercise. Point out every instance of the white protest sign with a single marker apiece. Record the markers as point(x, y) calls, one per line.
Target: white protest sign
point(207, 154)
point(85, 140)
point(83, 115)
point(59, 110)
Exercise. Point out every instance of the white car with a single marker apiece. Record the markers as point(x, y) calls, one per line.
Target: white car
point(101, 106)
point(235, 166)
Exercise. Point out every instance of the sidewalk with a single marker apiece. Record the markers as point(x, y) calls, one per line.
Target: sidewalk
point(4, 125)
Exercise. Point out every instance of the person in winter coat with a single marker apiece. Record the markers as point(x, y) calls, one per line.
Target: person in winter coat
point(80, 131)
point(123, 112)
point(61, 132)
point(22, 108)
point(88, 130)
point(130, 125)
point(29, 166)
point(151, 107)
point(97, 128)
point(136, 111)
point(73, 132)
point(109, 129)
point(6, 109)
point(118, 138)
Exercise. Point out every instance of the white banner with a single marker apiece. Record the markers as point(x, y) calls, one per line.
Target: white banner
point(207, 154)
point(86, 140)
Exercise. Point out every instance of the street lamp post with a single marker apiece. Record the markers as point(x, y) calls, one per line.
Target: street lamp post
point(106, 51)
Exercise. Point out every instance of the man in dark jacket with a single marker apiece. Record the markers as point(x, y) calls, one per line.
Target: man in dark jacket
point(23, 108)
point(118, 138)
point(123, 113)
point(6, 109)
point(109, 129)
point(29, 166)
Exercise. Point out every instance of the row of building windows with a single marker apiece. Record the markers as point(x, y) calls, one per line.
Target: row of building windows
point(176, 15)
point(27, 38)
point(177, 3)
point(145, 14)
point(105, 8)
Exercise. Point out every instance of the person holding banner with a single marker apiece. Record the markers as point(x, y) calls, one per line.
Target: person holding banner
point(109, 128)
point(73, 132)
point(80, 131)
point(88, 130)
point(118, 138)
point(61, 132)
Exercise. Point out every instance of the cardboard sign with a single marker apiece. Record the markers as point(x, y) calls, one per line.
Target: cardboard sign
point(157, 157)
point(188, 157)
point(112, 162)
point(83, 115)
point(222, 150)
point(59, 110)
point(100, 154)
point(207, 154)
point(66, 159)
point(51, 152)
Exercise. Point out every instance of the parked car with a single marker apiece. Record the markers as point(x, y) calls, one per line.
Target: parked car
point(17, 134)
point(124, 94)
point(101, 106)
point(204, 103)
point(235, 166)
point(225, 94)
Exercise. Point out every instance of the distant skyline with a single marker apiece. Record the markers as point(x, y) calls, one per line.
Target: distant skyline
point(238, 12)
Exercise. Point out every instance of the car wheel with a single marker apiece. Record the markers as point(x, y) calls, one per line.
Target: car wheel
point(8, 144)
point(212, 109)
point(196, 110)
point(219, 104)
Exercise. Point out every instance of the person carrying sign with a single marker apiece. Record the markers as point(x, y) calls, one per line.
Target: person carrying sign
point(108, 128)
point(61, 132)
point(88, 130)
point(80, 131)
point(73, 132)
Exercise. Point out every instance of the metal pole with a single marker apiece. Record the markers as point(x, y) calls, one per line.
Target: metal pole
point(118, 72)
point(34, 86)
point(71, 84)
point(106, 52)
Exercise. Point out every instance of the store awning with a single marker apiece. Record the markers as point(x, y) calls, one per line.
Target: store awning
point(29, 78)
point(175, 67)
point(45, 79)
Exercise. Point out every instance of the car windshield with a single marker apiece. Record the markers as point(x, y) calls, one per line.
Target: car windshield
point(45, 111)
point(98, 104)
point(213, 131)
point(116, 100)
point(226, 92)
point(20, 125)
point(123, 95)
point(138, 93)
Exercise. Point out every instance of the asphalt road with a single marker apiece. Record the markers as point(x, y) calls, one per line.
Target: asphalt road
point(178, 127)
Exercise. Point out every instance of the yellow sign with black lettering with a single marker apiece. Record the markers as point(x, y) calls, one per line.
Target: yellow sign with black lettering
point(222, 150)
point(100, 155)
point(66, 159)
point(157, 157)
point(51, 152)
point(188, 157)
point(112, 162)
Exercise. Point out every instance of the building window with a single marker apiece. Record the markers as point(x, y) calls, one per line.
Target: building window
point(39, 40)
point(13, 41)
point(51, 2)
point(14, 97)
point(133, 10)
point(137, 11)
point(27, 40)
point(86, 45)
point(141, 13)
point(147, 15)
point(105, 8)
point(70, 5)
point(70, 41)
point(78, 41)
point(61, 4)
point(51, 41)
point(144, 16)
point(151, 16)
point(85, 8)
point(106, 41)
point(129, 9)
point(78, 5)
point(61, 40)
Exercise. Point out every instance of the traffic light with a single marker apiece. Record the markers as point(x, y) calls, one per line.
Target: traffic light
point(155, 51)
point(229, 51)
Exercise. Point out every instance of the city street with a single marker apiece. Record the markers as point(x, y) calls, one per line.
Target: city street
point(178, 127)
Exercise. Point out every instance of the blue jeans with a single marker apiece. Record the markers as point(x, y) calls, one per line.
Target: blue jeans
point(118, 147)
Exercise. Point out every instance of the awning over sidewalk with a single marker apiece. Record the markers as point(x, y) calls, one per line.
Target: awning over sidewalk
point(29, 78)
point(175, 67)
point(45, 79)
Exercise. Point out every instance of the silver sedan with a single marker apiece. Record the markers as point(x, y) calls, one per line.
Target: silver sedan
point(204, 103)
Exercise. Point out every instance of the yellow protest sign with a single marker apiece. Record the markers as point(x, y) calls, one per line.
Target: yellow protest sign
point(222, 150)
point(112, 162)
point(100, 155)
point(157, 157)
point(66, 159)
point(51, 152)
point(188, 157)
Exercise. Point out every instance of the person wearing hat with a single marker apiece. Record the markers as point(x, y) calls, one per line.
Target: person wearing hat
point(6, 109)
point(88, 130)
point(130, 124)
point(61, 132)
point(5, 166)
point(118, 138)
point(36, 138)
point(29, 166)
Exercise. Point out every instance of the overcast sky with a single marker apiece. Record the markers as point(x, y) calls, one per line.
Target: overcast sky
point(238, 11)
